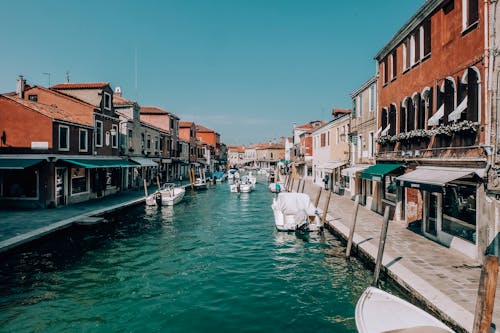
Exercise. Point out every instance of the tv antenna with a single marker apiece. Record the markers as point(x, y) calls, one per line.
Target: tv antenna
point(48, 74)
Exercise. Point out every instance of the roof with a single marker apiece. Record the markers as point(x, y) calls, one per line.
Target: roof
point(340, 111)
point(271, 145)
point(54, 112)
point(309, 125)
point(60, 94)
point(201, 128)
point(119, 100)
point(185, 123)
point(421, 14)
point(153, 110)
point(88, 85)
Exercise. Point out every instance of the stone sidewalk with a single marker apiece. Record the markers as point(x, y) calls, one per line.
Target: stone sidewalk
point(443, 279)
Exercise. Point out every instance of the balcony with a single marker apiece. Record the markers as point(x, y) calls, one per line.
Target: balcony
point(470, 153)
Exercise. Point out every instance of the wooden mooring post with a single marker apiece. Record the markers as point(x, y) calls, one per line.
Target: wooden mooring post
point(486, 295)
point(145, 189)
point(158, 182)
point(287, 180)
point(316, 202)
point(352, 227)
point(291, 185)
point(298, 185)
point(303, 185)
point(325, 210)
point(381, 246)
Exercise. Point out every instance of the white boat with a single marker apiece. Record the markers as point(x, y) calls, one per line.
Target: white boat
point(168, 195)
point(252, 179)
point(200, 184)
point(378, 311)
point(242, 186)
point(295, 211)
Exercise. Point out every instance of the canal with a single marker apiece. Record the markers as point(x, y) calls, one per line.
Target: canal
point(213, 263)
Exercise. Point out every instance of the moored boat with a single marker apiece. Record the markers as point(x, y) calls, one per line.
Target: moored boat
point(200, 184)
point(378, 311)
point(242, 186)
point(295, 211)
point(168, 195)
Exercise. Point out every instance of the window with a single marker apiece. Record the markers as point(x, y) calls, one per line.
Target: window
point(412, 51)
point(114, 136)
point(426, 38)
point(148, 142)
point(33, 98)
point(371, 144)
point(394, 64)
point(328, 138)
point(130, 136)
point(359, 100)
point(78, 180)
point(157, 143)
point(372, 98)
point(83, 140)
point(459, 210)
point(390, 188)
point(107, 101)
point(63, 137)
point(470, 13)
point(360, 146)
point(406, 54)
point(337, 137)
point(386, 70)
point(98, 133)
point(143, 140)
point(323, 139)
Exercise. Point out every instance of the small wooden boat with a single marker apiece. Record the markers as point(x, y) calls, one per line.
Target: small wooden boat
point(295, 211)
point(378, 311)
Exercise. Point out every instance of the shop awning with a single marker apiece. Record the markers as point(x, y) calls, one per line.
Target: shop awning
point(18, 163)
point(330, 166)
point(145, 162)
point(457, 113)
point(351, 171)
point(433, 179)
point(434, 120)
point(377, 171)
point(92, 163)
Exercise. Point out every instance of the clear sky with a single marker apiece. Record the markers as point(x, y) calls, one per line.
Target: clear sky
point(247, 68)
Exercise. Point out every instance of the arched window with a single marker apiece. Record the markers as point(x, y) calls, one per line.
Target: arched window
point(448, 99)
point(417, 110)
point(426, 106)
point(402, 116)
point(384, 119)
point(392, 119)
point(473, 88)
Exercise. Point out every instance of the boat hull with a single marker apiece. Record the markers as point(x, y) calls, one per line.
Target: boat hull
point(378, 311)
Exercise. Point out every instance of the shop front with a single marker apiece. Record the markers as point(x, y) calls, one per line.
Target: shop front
point(354, 184)
point(445, 203)
point(384, 189)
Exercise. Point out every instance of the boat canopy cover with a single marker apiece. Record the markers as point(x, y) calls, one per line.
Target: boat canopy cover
point(292, 203)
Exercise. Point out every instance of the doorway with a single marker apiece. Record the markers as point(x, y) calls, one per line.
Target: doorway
point(61, 190)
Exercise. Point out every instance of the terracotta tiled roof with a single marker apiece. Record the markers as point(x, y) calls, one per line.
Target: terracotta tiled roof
point(88, 85)
point(201, 128)
point(54, 112)
point(119, 100)
point(271, 145)
point(61, 94)
point(153, 110)
point(185, 123)
point(339, 111)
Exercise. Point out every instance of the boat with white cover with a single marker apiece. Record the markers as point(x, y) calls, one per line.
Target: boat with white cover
point(168, 195)
point(295, 211)
point(378, 311)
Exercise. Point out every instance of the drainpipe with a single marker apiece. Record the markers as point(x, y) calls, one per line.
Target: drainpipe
point(487, 68)
point(494, 89)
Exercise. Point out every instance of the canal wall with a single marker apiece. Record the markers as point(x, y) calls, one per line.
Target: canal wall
point(439, 279)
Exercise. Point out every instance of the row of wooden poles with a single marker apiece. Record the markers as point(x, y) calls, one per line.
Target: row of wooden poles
point(489, 274)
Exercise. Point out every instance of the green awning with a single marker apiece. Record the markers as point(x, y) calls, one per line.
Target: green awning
point(378, 171)
point(93, 163)
point(18, 163)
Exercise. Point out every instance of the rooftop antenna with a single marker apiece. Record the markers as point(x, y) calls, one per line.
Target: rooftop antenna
point(67, 76)
point(135, 71)
point(48, 74)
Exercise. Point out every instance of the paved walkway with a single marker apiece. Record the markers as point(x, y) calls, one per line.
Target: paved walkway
point(444, 279)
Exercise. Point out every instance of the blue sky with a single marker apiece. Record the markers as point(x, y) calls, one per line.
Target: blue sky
point(246, 68)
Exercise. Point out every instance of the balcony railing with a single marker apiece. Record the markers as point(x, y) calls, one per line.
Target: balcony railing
point(463, 153)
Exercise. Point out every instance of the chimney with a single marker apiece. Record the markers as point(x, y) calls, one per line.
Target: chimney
point(20, 85)
point(118, 91)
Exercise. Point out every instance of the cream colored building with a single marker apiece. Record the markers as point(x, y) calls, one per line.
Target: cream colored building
point(331, 150)
point(363, 135)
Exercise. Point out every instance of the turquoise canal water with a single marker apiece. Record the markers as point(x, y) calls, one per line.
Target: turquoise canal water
point(213, 263)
